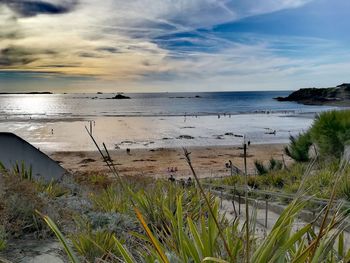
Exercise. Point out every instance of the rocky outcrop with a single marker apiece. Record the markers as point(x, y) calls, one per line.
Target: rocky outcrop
point(339, 95)
point(120, 97)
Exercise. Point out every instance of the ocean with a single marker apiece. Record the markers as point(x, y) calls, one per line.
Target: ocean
point(56, 122)
point(146, 104)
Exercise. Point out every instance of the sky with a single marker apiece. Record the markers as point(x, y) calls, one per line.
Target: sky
point(173, 45)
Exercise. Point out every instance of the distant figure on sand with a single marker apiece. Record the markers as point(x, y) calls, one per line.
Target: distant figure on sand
point(171, 178)
point(128, 150)
point(52, 131)
point(189, 181)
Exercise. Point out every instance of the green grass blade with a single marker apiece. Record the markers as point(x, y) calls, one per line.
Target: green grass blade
point(125, 253)
point(60, 237)
point(153, 240)
point(219, 260)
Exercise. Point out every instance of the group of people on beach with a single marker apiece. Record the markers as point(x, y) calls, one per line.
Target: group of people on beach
point(182, 182)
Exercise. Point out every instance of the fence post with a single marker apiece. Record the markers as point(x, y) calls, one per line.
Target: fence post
point(221, 197)
point(266, 211)
point(234, 207)
point(90, 127)
point(239, 204)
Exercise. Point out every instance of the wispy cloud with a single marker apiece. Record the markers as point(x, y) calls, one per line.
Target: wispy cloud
point(147, 40)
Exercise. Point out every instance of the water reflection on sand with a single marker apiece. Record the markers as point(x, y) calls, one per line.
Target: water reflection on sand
point(157, 131)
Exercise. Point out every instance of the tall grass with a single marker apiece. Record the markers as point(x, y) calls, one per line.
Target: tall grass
point(198, 240)
point(19, 170)
point(112, 199)
point(182, 237)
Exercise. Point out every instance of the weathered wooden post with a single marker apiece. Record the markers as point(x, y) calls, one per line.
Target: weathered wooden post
point(90, 127)
point(239, 204)
point(266, 210)
point(221, 197)
point(246, 202)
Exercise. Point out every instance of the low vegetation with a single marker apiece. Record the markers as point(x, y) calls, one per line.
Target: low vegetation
point(191, 231)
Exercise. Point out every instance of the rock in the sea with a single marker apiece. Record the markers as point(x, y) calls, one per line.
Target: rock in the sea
point(120, 97)
point(339, 95)
point(185, 137)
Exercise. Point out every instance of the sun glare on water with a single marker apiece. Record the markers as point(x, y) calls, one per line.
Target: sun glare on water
point(32, 105)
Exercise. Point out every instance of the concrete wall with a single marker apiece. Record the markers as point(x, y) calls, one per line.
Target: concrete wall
point(14, 149)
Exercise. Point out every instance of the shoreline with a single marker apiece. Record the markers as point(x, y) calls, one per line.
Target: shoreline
point(72, 118)
point(208, 161)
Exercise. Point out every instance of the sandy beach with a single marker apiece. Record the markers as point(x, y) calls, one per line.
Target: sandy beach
point(209, 161)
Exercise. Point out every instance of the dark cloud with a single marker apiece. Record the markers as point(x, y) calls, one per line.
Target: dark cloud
point(32, 8)
point(10, 35)
point(108, 49)
point(88, 55)
point(15, 56)
point(60, 65)
point(9, 28)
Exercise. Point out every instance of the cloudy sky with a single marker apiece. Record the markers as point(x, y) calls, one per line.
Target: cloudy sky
point(173, 45)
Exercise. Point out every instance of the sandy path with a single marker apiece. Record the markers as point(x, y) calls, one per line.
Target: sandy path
point(208, 161)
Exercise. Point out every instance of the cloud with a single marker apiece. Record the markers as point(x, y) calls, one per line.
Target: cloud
point(15, 56)
point(134, 40)
point(28, 8)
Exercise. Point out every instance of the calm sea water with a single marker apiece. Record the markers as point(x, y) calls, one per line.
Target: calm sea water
point(146, 104)
point(57, 122)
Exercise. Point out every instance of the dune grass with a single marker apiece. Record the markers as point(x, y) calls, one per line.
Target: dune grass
point(175, 230)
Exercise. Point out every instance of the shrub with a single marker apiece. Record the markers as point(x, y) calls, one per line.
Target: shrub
point(298, 148)
point(253, 182)
point(331, 132)
point(20, 199)
point(94, 245)
point(277, 181)
point(275, 164)
point(260, 168)
point(112, 199)
point(117, 223)
point(51, 189)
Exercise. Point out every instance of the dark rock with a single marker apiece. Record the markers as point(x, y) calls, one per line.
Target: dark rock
point(185, 137)
point(339, 95)
point(120, 97)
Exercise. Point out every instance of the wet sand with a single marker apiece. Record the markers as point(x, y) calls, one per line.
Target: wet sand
point(207, 161)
